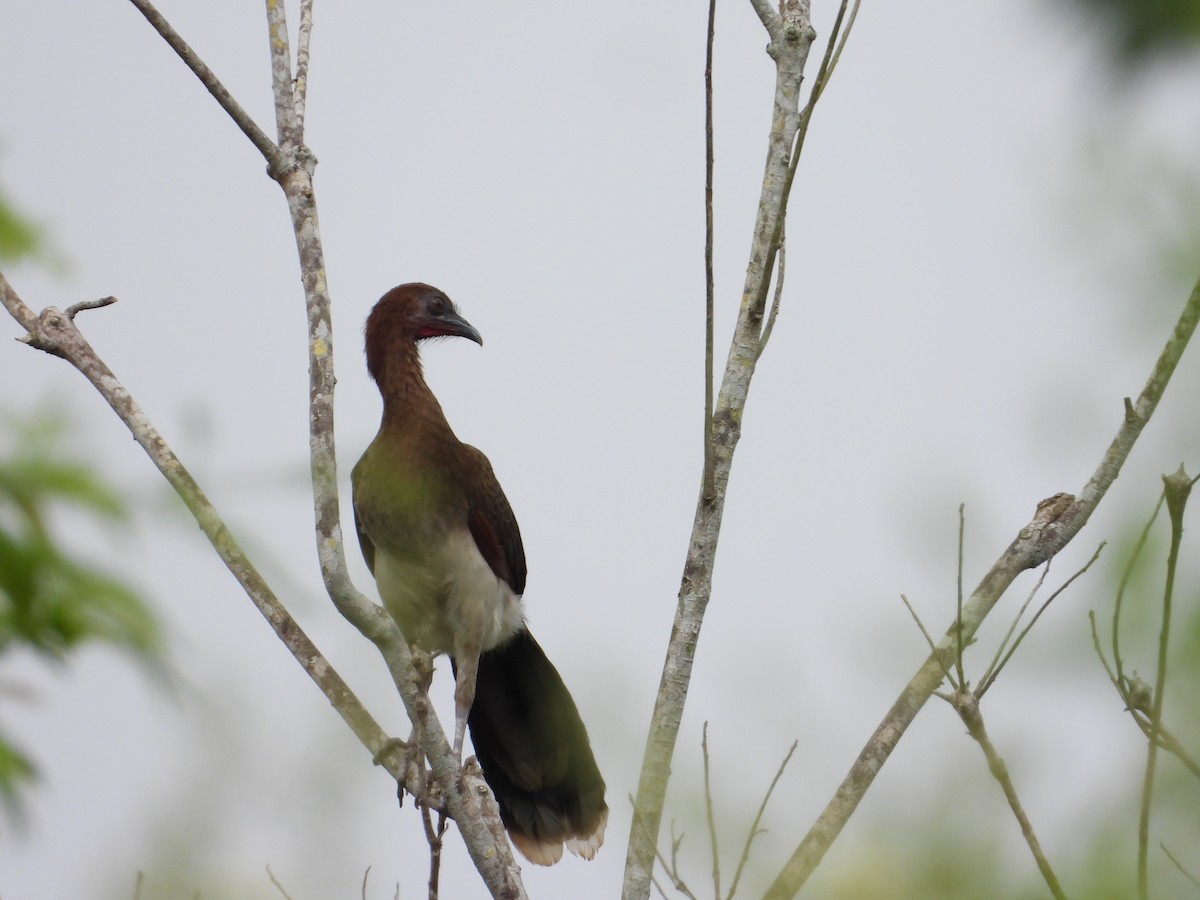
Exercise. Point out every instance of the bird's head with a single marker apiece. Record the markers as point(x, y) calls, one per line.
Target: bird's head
point(411, 313)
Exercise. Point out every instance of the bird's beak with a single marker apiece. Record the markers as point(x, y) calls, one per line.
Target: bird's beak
point(449, 324)
point(460, 327)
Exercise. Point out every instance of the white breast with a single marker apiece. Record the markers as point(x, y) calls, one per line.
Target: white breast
point(448, 600)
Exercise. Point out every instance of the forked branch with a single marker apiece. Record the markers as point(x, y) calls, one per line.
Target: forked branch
point(1057, 520)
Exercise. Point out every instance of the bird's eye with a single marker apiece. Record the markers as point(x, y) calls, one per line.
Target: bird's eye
point(437, 305)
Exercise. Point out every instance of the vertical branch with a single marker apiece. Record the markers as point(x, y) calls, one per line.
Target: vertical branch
point(287, 122)
point(473, 810)
point(791, 36)
point(291, 165)
point(707, 488)
point(958, 650)
point(1177, 488)
point(300, 82)
point(966, 705)
point(714, 844)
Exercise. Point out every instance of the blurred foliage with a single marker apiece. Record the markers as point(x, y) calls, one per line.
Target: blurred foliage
point(18, 237)
point(1142, 29)
point(51, 600)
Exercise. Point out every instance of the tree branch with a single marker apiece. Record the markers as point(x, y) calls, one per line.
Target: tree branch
point(791, 36)
point(291, 165)
point(300, 82)
point(1056, 522)
point(210, 81)
point(470, 806)
point(55, 332)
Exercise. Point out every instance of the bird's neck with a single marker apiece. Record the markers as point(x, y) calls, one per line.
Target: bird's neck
point(409, 406)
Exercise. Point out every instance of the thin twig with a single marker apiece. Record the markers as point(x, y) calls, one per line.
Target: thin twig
point(966, 705)
point(791, 37)
point(827, 71)
point(1176, 488)
point(933, 648)
point(1125, 579)
point(992, 673)
point(1112, 676)
point(1186, 874)
point(780, 271)
point(1012, 627)
point(824, 73)
point(709, 284)
point(278, 886)
point(755, 831)
point(1138, 699)
point(712, 821)
point(210, 81)
point(958, 653)
point(76, 308)
point(672, 867)
point(434, 836)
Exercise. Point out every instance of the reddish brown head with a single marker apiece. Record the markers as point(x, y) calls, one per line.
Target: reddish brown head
point(411, 313)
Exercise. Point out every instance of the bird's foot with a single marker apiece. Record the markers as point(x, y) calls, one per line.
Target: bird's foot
point(414, 776)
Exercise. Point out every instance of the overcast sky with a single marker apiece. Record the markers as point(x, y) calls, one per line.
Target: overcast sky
point(969, 296)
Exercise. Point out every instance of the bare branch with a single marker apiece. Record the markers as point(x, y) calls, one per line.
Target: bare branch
point(966, 704)
point(55, 333)
point(995, 669)
point(74, 309)
point(1186, 874)
point(709, 295)
point(712, 822)
point(780, 271)
point(1037, 586)
point(291, 165)
point(791, 37)
point(470, 803)
point(300, 82)
point(933, 648)
point(210, 81)
point(16, 307)
point(287, 118)
point(958, 650)
point(769, 17)
point(755, 831)
point(1056, 522)
point(1138, 698)
point(831, 58)
point(1177, 488)
point(278, 886)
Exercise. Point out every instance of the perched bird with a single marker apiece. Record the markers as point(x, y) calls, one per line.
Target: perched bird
point(443, 544)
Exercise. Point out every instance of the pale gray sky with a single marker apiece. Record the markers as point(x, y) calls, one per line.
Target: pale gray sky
point(962, 318)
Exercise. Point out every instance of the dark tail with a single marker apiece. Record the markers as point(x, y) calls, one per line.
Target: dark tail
point(535, 755)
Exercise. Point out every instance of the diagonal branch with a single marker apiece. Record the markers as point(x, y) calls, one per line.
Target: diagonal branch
point(55, 332)
point(1055, 523)
point(210, 81)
